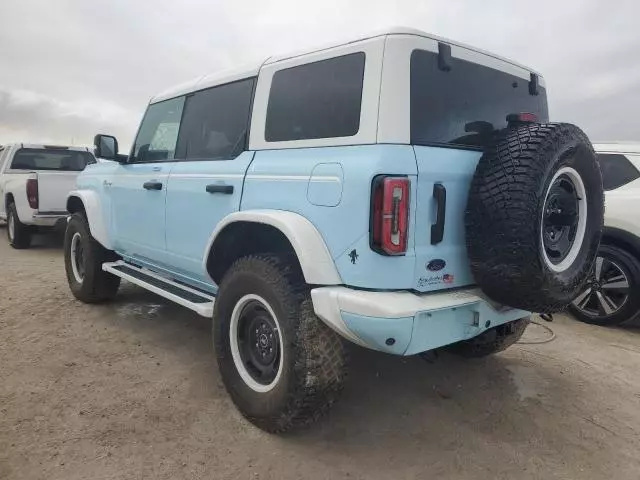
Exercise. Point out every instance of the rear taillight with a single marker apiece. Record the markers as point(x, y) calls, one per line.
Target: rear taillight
point(390, 215)
point(32, 192)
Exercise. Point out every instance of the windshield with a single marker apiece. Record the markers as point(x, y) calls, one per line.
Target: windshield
point(466, 104)
point(51, 159)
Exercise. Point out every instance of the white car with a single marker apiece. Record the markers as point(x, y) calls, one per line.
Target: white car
point(35, 181)
point(612, 294)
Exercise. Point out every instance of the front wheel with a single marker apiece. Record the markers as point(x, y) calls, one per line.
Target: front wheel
point(608, 296)
point(83, 259)
point(281, 365)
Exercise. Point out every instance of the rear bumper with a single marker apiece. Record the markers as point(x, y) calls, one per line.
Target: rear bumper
point(405, 323)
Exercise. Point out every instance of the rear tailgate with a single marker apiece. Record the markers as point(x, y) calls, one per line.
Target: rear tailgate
point(442, 263)
point(53, 188)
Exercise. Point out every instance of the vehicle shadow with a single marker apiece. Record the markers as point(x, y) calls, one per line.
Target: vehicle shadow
point(418, 407)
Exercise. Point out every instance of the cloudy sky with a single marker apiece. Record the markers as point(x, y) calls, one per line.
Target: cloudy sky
point(72, 68)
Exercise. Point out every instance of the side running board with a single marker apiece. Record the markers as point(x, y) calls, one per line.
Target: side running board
point(194, 299)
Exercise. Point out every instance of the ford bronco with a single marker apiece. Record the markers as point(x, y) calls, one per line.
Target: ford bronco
point(402, 192)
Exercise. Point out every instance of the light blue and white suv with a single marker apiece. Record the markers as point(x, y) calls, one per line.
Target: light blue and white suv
point(401, 191)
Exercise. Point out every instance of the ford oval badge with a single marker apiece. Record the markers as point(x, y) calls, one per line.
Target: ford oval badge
point(436, 265)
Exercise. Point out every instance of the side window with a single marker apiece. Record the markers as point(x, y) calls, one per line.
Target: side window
point(158, 135)
point(617, 170)
point(215, 122)
point(316, 100)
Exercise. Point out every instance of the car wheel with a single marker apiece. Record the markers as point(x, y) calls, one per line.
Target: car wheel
point(83, 259)
point(18, 233)
point(282, 366)
point(609, 296)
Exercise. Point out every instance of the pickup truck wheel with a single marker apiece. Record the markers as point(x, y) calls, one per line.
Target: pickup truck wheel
point(18, 233)
point(491, 341)
point(83, 259)
point(534, 216)
point(282, 366)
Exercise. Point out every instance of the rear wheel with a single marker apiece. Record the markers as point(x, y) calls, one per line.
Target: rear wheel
point(491, 341)
point(18, 233)
point(282, 366)
point(83, 259)
point(608, 297)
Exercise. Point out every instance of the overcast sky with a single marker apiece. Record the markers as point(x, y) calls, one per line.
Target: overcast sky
point(72, 68)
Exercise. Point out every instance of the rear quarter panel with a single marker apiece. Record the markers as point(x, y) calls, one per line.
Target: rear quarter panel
point(621, 208)
point(53, 190)
point(331, 187)
point(14, 185)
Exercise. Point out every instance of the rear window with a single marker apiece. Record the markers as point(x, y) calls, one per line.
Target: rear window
point(462, 106)
point(51, 159)
point(617, 170)
point(316, 100)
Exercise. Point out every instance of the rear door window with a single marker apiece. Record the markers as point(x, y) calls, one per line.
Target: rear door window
point(215, 122)
point(316, 100)
point(158, 134)
point(51, 159)
point(464, 105)
point(617, 170)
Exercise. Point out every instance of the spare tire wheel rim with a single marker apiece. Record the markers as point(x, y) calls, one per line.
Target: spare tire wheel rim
point(606, 290)
point(564, 220)
point(11, 227)
point(256, 343)
point(77, 257)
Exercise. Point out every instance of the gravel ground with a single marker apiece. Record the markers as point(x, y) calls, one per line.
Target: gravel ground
point(130, 391)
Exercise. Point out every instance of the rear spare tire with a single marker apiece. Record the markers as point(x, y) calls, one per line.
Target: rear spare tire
point(534, 216)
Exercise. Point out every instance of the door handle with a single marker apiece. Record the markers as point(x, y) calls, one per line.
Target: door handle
point(152, 185)
point(437, 229)
point(219, 188)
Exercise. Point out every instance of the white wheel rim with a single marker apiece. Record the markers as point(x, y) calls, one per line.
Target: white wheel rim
point(235, 349)
point(75, 245)
point(581, 229)
point(11, 226)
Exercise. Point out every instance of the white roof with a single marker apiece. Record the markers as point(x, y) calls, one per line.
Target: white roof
point(617, 147)
point(220, 78)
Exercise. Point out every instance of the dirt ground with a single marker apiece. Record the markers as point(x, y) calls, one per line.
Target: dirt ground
point(130, 391)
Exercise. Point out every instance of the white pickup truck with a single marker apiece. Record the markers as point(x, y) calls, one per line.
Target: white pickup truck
point(35, 181)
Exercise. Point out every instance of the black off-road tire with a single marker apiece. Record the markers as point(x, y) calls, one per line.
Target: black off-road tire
point(314, 357)
point(504, 217)
point(21, 237)
point(491, 341)
point(630, 265)
point(97, 285)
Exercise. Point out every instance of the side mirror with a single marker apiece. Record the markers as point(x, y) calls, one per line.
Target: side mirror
point(106, 146)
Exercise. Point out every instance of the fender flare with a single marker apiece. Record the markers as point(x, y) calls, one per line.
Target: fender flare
point(315, 259)
point(93, 209)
